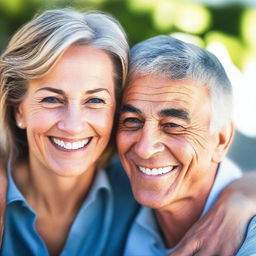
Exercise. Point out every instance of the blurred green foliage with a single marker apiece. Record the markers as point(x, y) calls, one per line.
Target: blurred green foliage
point(233, 25)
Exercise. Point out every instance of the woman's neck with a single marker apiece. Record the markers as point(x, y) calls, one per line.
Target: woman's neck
point(46, 191)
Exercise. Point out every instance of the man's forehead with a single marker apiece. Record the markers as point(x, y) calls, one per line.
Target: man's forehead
point(158, 83)
point(156, 89)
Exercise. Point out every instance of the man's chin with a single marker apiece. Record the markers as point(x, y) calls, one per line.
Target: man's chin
point(151, 199)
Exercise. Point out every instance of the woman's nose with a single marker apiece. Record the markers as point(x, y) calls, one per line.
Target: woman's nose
point(72, 120)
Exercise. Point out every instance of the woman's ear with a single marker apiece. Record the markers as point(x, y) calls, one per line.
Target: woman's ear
point(224, 139)
point(19, 117)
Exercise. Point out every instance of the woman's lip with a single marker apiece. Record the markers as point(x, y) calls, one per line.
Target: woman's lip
point(68, 145)
point(71, 140)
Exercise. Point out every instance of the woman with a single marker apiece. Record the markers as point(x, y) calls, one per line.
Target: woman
point(60, 79)
point(61, 75)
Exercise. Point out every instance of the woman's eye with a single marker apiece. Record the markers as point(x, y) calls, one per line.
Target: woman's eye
point(51, 100)
point(95, 101)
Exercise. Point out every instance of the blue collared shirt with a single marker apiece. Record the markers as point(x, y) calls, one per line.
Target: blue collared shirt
point(100, 227)
point(145, 237)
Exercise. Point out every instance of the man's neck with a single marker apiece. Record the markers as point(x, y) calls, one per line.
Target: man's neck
point(177, 218)
point(175, 223)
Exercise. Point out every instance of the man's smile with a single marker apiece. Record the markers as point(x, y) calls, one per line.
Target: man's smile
point(156, 171)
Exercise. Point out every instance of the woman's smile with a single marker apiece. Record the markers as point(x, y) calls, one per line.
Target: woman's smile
point(69, 145)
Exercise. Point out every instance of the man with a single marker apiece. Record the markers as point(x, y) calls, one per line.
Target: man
point(174, 131)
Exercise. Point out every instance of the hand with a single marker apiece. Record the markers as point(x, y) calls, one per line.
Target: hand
point(222, 230)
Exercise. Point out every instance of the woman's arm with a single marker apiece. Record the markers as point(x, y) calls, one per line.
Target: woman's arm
point(222, 230)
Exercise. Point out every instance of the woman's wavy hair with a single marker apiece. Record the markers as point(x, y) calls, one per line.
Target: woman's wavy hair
point(36, 47)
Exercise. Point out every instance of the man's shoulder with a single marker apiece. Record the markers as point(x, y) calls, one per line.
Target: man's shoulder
point(248, 247)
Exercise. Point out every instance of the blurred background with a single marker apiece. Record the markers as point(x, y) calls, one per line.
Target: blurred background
point(225, 27)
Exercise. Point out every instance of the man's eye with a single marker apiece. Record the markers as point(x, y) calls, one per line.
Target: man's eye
point(95, 101)
point(51, 100)
point(171, 125)
point(132, 122)
point(173, 128)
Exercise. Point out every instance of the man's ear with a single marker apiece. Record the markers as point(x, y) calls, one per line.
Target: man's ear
point(224, 139)
point(19, 117)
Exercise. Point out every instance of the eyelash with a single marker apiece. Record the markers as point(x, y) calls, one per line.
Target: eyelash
point(49, 100)
point(54, 100)
point(171, 125)
point(132, 123)
point(98, 101)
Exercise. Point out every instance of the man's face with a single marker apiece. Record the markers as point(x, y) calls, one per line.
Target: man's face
point(164, 140)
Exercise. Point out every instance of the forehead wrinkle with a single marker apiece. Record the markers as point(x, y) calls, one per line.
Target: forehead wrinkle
point(131, 91)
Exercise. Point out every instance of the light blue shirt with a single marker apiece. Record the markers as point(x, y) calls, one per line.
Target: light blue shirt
point(100, 227)
point(144, 237)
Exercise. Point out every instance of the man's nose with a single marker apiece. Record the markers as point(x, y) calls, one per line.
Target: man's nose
point(72, 120)
point(149, 142)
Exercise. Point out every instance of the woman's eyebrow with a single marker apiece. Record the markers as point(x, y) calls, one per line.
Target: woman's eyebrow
point(51, 89)
point(96, 90)
point(58, 91)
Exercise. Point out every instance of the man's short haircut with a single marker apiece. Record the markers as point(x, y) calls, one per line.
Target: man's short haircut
point(174, 59)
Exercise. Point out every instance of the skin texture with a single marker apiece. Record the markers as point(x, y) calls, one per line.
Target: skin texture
point(165, 123)
point(73, 102)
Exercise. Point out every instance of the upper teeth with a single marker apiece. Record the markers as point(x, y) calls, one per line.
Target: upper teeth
point(70, 145)
point(156, 171)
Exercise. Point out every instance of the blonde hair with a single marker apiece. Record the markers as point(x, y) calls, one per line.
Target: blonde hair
point(35, 48)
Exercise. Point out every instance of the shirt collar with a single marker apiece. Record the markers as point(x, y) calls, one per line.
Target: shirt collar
point(13, 193)
point(101, 182)
point(227, 172)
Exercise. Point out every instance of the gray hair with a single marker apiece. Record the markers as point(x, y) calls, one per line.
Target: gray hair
point(176, 60)
point(36, 47)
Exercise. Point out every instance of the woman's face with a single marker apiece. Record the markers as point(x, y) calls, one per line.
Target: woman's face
point(68, 113)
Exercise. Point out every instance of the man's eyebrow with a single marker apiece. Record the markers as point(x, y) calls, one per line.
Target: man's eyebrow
point(130, 108)
point(173, 112)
